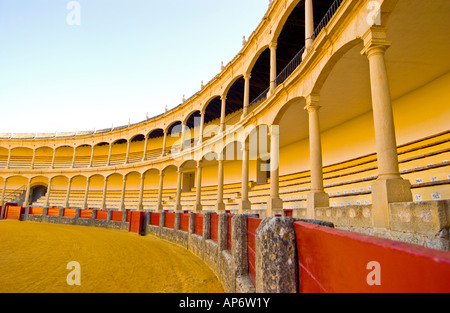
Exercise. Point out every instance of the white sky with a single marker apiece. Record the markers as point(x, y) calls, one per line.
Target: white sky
point(127, 58)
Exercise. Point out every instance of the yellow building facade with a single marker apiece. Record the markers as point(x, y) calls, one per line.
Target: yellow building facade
point(330, 106)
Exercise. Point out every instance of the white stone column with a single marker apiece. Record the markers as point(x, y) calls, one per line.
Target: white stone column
point(128, 151)
point(144, 156)
point(9, 159)
point(108, 163)
point(164, 144)
point(198, 192)
point(317, 197)
point(141, 193)
point(202, 122)
point(273, 67)
point(105, 190)
point(27, 194)
point(91, 160)
point(220, 205)
point(33, 160)
point(309, 25)
point(275, 202)
point(247, 78)
point(389, 187)
point(160, 207)
point(178, 197)
point(69, 186)
point(223, 113)
point(122, 198)
point(183, 135)
point(53, 159)
point(49, 188)
point(86, 193)
point(245, 204)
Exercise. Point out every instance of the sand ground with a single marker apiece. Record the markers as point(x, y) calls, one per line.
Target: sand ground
point(34, 258)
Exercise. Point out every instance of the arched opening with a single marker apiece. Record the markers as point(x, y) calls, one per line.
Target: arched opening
point(118, 152)
point(101, 151)
point(63, 157)
point(155, 144)
point(82, 156)
point(21, 158)
point(136, 149)
point(212, 118)
point(260, 79)
point(235, 102)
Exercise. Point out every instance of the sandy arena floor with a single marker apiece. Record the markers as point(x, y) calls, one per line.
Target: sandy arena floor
point(34, 258)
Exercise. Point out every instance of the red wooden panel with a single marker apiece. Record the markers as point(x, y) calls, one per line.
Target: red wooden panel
point(69, 212)
point(288, 213)
point(198, 229)
point(136, 221)
point(169, 220)
point(154, 219)
point(230, 217)
point(116, 216)
point(86, 213)
point(184, 222)
point(53, 212)
point(35, 211)
point(13, 213)
point(128, 215)
point(337, 261)
point(252, 226)
point(102, 215)
point(215, 227)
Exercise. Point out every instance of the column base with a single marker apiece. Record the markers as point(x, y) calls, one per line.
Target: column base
point(198, 208)
point(220, 207)
point(178, 208)
point(316, 199)
point(160, 208)
point(273, 205)
point(385, 191)
point(244, 205)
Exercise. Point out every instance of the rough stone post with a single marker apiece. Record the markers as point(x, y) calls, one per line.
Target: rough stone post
point(276, 257)
point(146, 223)
point(162, 219)
point(177, 221)
point(223, 232)
point(94, 215)
point(61, 212)
point(191, 223)
point(108, 216)
point(207, 225)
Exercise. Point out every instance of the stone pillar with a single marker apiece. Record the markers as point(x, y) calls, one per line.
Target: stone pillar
point(164, 144)
point(247, 78)
point(33, 159)
point(108, 163)
point(66, 203)
point(275, 202)
point(128, 151)
point(276, 237)
point(47, 198)
point(389, 187)
point(309, 25)
point(160, 192)
point(86, 193)
point(141, 193)
point(198, 192)
point(27, 194)
point(91, 160)
point(178, 198)
point(220, 205)
point(75, 157)
point(144, 157)
point(105, 190)
point(245, 204)
point(183, 134)
point(223, 113)
point(9, 159)
point(122, 198)
point(52, 166)
point(317, 197)
point(2, 203)
point(202, 122)
point(273, 67)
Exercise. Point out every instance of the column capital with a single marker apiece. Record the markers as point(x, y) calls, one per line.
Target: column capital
point(180, 171)
point(247, 76)
point(223, 97)
point(273, 45)
point(200, 164)
point(375, 41)
point(312, 103)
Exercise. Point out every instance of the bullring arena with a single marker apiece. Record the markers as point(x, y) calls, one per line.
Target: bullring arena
point(317, 160)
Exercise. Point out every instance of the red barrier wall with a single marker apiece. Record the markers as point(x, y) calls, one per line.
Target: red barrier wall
point(169, 220)
point(198, 224)
point(53, 212)
point(86, 213)
point(13, 213)
point(35, 211)
point(252, 226)
point(68, 212)
point(337, 261)
point(184, 222)
point(214, 227)
point(102, 215)
point(116, 216)
point(154, 219)
point(136, 222)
